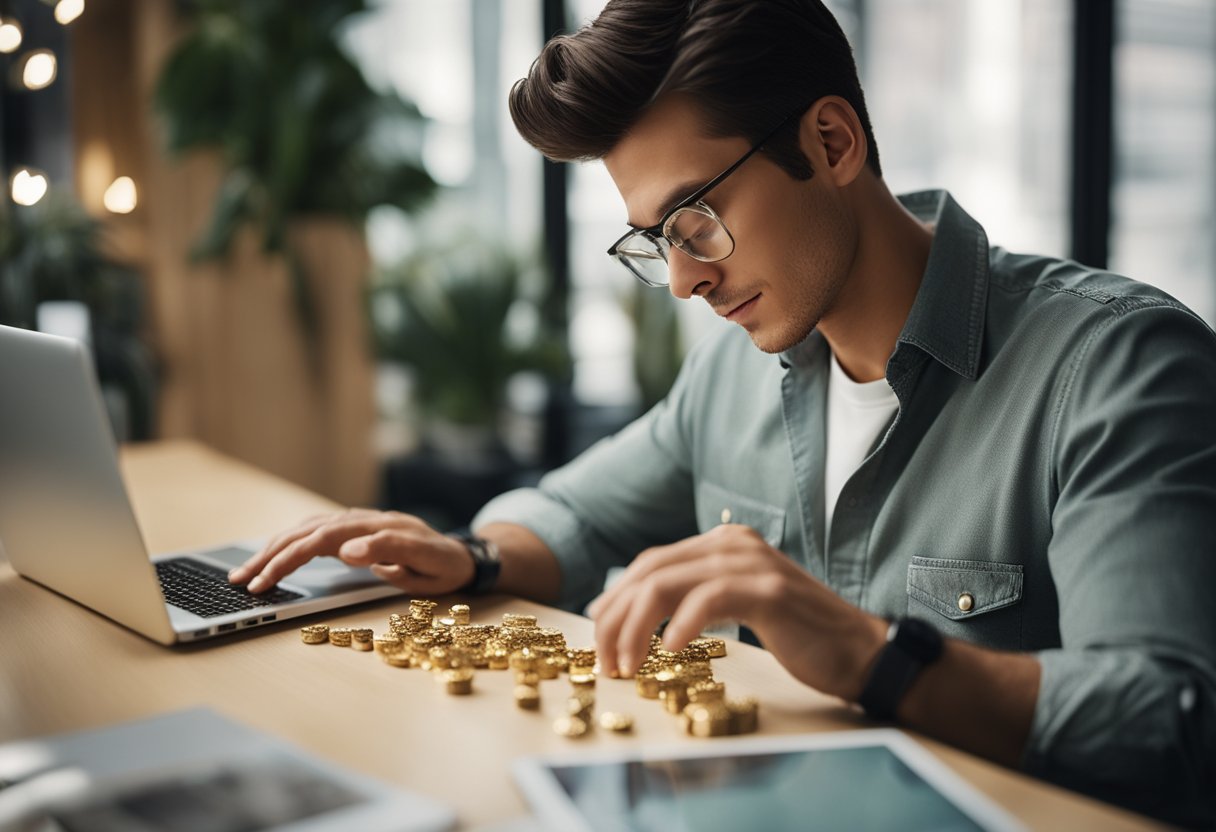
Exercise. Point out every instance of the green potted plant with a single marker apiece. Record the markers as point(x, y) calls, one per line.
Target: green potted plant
point(447, 313)
point(299, 131)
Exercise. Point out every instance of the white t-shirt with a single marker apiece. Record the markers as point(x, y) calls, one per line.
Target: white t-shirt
point(857, 412)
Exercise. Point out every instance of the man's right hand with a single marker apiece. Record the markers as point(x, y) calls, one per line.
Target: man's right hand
point(399, 549)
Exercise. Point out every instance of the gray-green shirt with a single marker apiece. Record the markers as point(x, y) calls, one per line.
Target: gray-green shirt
point(1053, 457)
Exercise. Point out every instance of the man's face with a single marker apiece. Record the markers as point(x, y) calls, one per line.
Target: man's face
point(794, 240)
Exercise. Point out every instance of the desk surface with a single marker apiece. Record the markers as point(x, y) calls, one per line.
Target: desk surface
point(63, 668)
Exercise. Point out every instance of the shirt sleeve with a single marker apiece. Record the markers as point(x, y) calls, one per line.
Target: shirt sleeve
point(1127, 706)
point(626, 493)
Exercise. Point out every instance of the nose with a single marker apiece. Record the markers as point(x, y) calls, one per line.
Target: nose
point(690, 276)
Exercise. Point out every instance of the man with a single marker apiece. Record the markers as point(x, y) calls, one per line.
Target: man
point(1020, 452)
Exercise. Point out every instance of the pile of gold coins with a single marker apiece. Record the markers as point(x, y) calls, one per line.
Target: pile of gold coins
point(453, 648)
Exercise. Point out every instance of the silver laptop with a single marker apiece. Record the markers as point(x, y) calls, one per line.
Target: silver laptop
point(66, 522)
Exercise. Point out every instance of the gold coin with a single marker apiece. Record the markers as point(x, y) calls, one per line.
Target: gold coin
point(388, 644)
point(314, 634)
point(398, 659)
point(612, 721)
point(582, 680)
point(361, 646)
point(459, 681)
point(710, 720)
point(580, 703)
point(527, 697)
point(511, 619)
point(706, 691)
point(339, 636)
point(714, 647)
point(570, 726)
point(744, 715)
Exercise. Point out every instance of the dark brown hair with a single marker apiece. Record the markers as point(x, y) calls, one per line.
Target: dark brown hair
point(746, 64)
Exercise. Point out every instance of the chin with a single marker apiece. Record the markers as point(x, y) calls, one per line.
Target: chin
point(773, 342)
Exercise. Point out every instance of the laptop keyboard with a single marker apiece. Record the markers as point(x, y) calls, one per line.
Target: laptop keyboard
point(204, 590)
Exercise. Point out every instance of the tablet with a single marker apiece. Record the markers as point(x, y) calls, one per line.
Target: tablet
point(852, 780)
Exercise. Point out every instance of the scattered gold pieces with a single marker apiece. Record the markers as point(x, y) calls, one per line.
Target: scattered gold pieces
point(618, 722)
point(314, 634)
point(451, 646)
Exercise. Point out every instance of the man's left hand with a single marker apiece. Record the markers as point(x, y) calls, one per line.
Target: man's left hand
point(731, 573)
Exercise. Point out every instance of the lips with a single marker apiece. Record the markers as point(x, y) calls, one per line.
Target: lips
point(742, 308)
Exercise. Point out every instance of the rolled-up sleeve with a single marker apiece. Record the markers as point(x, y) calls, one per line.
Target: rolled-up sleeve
point(1127, 706)
point(626, 493)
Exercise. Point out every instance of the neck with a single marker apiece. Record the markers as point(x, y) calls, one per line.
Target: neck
point(869, 312)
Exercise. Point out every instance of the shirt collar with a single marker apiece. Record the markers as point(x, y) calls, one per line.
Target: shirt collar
point(947, 318)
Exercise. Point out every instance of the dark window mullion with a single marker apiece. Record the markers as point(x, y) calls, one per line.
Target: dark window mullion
point(1092, 130)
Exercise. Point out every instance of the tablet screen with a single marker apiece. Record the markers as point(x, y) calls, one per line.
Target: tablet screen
point(866, 787)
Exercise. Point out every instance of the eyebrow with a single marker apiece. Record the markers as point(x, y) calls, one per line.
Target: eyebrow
point(674, 197)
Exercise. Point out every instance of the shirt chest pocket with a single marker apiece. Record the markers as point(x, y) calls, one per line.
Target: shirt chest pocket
point(717, 505)
point(977, 601)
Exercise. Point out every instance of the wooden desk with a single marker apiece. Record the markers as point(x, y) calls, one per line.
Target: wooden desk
point(64, 668)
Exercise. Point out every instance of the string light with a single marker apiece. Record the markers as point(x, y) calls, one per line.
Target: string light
point(68, 10)
point(39, 70)
point(10, 35)
point(27, 186)
point(120, 197)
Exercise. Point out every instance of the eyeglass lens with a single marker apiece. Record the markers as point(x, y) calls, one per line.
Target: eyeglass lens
point(695, 231)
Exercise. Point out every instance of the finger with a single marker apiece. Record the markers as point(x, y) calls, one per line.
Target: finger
point(324, 540)
point(257, 562)
point(432, 562)
point(710, 601)
point(646, 564)
point(656, 600)
point(407, 580)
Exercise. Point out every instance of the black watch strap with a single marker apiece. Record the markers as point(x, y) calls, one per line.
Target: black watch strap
point(911, 645)
point(486, 562)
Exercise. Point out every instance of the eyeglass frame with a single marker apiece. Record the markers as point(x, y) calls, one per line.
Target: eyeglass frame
point(695, 200)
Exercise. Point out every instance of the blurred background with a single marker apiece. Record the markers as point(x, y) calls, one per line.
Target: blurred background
point(308, 235)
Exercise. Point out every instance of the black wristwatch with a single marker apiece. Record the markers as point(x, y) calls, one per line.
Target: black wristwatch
point(911, 646)
point(486, 562)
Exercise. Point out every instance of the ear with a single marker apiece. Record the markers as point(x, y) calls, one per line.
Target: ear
point(832, 137)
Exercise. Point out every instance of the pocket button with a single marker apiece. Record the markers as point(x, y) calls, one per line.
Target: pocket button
point(966, 602)
point(726, 515)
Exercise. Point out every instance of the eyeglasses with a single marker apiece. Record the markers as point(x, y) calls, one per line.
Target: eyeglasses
point(690, 225)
